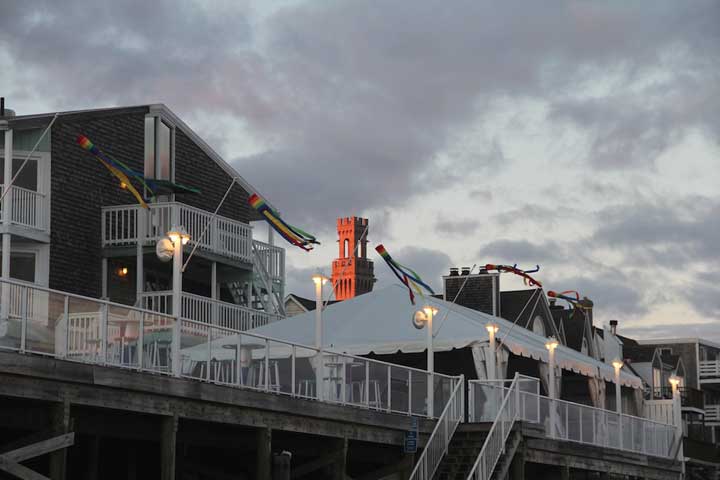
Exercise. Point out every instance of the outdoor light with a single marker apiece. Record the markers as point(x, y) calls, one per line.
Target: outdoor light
point(674, 381)
point(492, 328)
point(178, 233)
point(123, 185)
point(551, 344)
point(319, 279)
point(122, 271)
point(617, 364)
point(429, 311)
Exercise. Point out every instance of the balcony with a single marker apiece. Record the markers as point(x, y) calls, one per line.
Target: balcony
point(689, 397)
point(710, 371)
point(28, 208)
point(125, 225)
point(208, 311)
point(712, 414)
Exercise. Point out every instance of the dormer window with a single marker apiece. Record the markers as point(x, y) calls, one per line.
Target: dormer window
point(158, 149)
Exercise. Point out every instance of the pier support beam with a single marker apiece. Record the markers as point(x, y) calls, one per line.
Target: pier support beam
point(168, 447)
point(338, 468)
point(60, 424)
point(263, 469)
point(517, 467)
point(564, 472)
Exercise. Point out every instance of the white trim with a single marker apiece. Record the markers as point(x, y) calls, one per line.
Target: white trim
point(161, 109)
point(668, 341)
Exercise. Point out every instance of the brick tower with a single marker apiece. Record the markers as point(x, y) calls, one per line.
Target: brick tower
point(352, 272)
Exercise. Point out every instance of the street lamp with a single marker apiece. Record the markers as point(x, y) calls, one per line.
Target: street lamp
point(430, 312)
point(319, 280)
point(492, 329)
point(551, 345)
point(617, 365)
point(179, 237)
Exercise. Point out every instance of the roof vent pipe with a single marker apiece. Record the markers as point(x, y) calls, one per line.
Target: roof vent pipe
point(453, 272)
point(613, 326)
point(466, 270)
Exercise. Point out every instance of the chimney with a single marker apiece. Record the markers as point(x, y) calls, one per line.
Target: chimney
point(613, 327)
point(5, 112)
point(481, 291)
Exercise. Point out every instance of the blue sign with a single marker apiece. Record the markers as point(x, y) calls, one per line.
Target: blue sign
point(411, 437)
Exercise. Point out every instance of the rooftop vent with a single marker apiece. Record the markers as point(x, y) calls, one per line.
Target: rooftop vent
point(466, 270)
point(453, 272)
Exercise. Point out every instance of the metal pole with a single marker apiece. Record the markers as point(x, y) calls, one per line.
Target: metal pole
point(492, 368)
point(319, 336)
point(551, 391)
point(618, 404)
point(177, 305)
point(430, 361)
point(6, 213)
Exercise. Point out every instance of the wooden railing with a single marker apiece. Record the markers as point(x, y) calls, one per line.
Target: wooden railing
point(710, 370)
point(28, 208)
point(128, 224)
point(712, 413)
point(208, 311)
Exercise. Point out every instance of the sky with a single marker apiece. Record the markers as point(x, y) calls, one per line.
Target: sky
point(575, 135)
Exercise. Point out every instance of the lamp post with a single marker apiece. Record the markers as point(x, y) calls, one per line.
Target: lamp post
point(319, 281)
point(617, 365)
point(492, 329)
point(551, 345)
point(675, 384)
point(179, 237)
point(430, 312)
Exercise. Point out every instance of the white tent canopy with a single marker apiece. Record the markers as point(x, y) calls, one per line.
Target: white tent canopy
point(381, 322)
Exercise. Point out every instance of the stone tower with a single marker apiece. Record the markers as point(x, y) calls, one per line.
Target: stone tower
point(352, 272)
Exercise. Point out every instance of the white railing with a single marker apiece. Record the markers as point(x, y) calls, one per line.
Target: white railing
point(128, 224)
point(709, 369)
point(585, 424)
point(28, 208)
point(82, 329)
point(273, 258)
point(712, 413)
point(206, 310)
point(437, 445)
point(494, 445)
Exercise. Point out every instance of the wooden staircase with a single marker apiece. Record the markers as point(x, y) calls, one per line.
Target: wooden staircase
point(465, 447)
point(462, 451)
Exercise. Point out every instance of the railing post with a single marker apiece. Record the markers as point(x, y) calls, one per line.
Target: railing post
point(24, 319)
point(292, 371)
point(141, 340)
point(267, 365)
point(367, 384)
point(409, 392)
point(103, 331)
point(66, 321)
point(389, 388)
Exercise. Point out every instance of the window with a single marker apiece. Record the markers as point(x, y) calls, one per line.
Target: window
point(158, 149)
point(657, 378)
point(22, 266)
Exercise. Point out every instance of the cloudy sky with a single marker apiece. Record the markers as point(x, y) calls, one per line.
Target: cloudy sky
point(582, 136)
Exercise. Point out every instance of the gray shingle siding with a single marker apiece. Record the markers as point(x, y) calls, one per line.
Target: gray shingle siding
point(80, 187)
point(195, 168)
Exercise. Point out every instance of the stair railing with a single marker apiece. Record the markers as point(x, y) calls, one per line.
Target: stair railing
point(437, 445)
point(494, 445)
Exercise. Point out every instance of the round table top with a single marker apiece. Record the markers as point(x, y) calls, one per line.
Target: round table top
point(248, 346)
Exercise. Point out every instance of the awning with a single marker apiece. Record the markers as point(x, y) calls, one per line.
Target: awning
point(380, 322)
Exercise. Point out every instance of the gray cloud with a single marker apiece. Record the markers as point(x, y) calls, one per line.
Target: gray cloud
point(672, 234)
point(359, 98)
point(431, 265)
point(520, 251)
point(615, 295)
point(447, 226)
